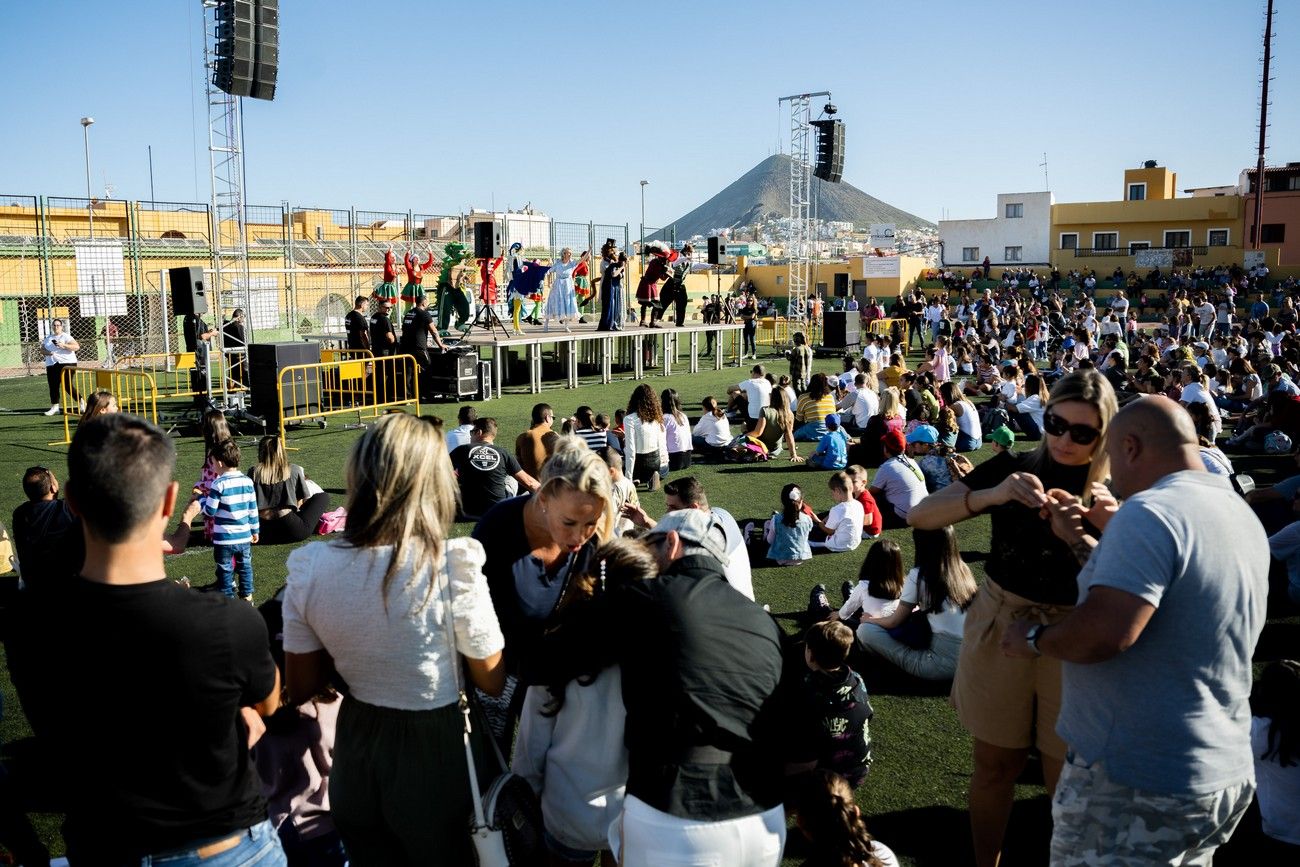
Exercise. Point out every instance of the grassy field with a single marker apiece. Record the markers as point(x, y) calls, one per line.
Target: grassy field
point(915, 796)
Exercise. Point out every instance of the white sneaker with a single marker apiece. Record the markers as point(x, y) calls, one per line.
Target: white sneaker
point(81, 405)
point(54, 410)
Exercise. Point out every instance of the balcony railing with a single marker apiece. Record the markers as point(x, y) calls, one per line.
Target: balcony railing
point(1086, 252)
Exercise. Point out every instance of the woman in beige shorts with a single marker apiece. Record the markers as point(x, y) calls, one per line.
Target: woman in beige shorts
point(1010, 705)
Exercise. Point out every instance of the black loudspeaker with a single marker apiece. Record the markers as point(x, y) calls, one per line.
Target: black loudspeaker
point(714, 250)
point(247, 47)
point(452, 374)
point(266, 361)
point(830, 150)
point(840, 329)
point(487, 240)
point(188, 292)
point(841, 285)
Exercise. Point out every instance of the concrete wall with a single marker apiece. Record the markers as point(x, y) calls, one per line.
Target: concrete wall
point(1031, 232)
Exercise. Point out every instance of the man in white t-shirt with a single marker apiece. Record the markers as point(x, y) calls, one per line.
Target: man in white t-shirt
point(1119, 304)
point(758, 393)
point(1205, 313)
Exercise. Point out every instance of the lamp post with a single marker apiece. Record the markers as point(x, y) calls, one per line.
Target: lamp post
point(643, 185)
point(85, 137)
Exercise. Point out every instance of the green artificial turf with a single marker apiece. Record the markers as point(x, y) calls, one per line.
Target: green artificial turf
point(915, 796)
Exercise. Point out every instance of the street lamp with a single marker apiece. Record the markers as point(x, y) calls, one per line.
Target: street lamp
point(643, 185)
point(85, 136)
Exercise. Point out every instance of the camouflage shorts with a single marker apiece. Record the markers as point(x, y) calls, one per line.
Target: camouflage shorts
point(1100, 822)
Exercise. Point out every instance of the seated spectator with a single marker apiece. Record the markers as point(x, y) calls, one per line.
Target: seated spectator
point(486, 473)
point(645, 458)
point(46, 533)
point(872, 522)
point(787, 530)
point(833, 449)
point(712, 433)
point(831, 822)
point(899, 483)
point(1275, 743)
point(940, 587)
point(535, 445)
point(880, 584)
point(585, 426)
point(182, 786)
point(459, 435)
point(813, 408)
point(677, 430)
point(830, 712)
point(842, 528)
point(99, 403)
point(623, 489)
point(288, 503)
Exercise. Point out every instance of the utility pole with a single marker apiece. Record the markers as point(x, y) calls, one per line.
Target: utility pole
point(1263, 130)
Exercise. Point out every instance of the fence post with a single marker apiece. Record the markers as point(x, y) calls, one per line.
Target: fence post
point(286, 229)
point(410, 226)
point(43, 245)
point(355, 254)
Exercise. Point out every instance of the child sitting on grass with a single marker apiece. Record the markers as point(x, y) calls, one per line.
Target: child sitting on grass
point(787, 531)
point(1001, 438)
point(842, 528)
point(833, 448)
point(828, 818)
point(831, 716)
point(880, 584)
point(231, 503)
point(872, 523)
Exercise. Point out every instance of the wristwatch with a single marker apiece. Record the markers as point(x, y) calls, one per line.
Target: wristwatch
point(1031, 637)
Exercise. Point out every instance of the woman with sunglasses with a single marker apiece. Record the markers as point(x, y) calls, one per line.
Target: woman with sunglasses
point(1010, 705)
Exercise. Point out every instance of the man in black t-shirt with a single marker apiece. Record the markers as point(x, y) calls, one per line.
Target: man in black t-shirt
point(197, 333)
point(357, 326)
point(383, 339)
point(487, 474)
point(144, 696)
point(47, 535)
point(419, 336)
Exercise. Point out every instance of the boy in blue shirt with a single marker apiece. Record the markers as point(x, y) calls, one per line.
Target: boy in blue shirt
point(231, 502)
point(833, 448)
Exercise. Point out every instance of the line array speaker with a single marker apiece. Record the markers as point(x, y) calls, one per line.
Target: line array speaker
point(830, 150)
point(248, 48)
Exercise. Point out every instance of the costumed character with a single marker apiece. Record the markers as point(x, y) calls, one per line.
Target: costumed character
point(674, 291)
point(612, 309)
point(451, 293)
point(413, 291)
point(525, 283)
point(387, 290)
point(561, 303)
point(582, 285)
point(647, 291)
point(487, 286)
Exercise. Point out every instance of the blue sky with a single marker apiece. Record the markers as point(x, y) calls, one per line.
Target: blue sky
point(439, 107)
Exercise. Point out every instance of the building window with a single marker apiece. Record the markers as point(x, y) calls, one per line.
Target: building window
point(1278, 184)
point(1273, 233)
point(1069, 240)
point(1293, 182)
point(1217, 238)
point(970, 254)
point(1012, 254)
point(1137, 192)
point(1178, 239)
point(1105, 240)
point(1134, 246)
point(1015, 210)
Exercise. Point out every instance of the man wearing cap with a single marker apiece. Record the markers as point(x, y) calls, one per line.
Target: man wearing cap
point(899, 484)
point(700, 667)
point(687, 493)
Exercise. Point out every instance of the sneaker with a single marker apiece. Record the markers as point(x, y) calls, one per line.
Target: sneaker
point(582, 320)
point(845, 589)
point(749, 531)
point(248, 599)
point(653, 484)
point(819, 606)
point(81, 405)
point(54, 410)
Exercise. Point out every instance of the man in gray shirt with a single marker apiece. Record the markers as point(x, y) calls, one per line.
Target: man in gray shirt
point(1157, 675)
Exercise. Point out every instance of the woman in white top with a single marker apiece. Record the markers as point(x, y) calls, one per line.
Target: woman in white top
point(677, 430)
point(941, 587)
point(391, 607)
point(1196, 389)
point(1275, 743)
point(645, 446)
point(712, 432)
point(1029, 405)
point(60, 353)
point(970, 435)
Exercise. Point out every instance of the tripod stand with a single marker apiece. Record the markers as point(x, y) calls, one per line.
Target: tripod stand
point(489, 321)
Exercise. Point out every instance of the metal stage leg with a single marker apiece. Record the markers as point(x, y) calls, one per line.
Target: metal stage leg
point(572, 346)
point(606, 360)
point(638, 359)
point(717, 348)
point(498, 368)
point(534, 368)
point(670, 346)
point(695, 352)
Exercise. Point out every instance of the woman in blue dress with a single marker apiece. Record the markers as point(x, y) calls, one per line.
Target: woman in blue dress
point(562, 303)
point(611, 288)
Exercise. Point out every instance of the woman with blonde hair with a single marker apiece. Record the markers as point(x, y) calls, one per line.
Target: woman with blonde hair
point(391, 606)
point(1010, 705)
point(531, 572)
point(289, 505)
point(969, 433)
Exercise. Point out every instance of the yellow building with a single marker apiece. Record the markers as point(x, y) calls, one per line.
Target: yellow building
point(1148, 227)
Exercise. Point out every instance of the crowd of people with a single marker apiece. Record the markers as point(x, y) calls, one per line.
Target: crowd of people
point(619, 663)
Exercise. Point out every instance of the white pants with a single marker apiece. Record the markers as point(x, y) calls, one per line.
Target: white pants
point(646, 837)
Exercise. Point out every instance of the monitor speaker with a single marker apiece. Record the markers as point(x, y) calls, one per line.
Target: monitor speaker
point(840, 329)
point(188, 292)
point(487, 240)
point(715, 250)
point(841, 285)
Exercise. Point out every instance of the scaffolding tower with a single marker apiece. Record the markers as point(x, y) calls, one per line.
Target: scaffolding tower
point(799, 243)
point(228, 283)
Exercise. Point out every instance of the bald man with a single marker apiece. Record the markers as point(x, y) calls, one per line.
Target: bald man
point(1156, 676)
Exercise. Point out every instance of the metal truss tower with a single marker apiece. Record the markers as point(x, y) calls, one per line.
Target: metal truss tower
point(229, 282)
point(799, 244)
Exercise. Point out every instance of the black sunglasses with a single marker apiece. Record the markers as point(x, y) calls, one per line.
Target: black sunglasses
point(1080, 433)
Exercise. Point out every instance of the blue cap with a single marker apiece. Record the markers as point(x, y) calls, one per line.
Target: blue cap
point(833, 420)
point(923, 433)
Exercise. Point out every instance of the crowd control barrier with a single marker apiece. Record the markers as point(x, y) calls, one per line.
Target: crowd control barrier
point(354, 384)
point(135, 392)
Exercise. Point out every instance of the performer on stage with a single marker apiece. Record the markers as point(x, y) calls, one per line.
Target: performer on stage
point(612, 308)
point(413, 291)
point(451, 292)
point(582, 286)
point(487, 286)
point(561, 303)
point(387, 290)
point(525, 283)
point(647, 291)
point(675, 286)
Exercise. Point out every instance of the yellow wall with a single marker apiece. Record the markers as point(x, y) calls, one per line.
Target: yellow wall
point(1147, 221)
point(881, 288)
point(1161, 182)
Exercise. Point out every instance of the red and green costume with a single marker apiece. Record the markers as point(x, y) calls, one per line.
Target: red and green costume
point(387, 290)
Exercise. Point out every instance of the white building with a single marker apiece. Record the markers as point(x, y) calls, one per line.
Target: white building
point(1019, 235)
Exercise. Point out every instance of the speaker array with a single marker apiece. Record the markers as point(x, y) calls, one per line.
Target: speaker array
point(248, 47)
point(830, 150)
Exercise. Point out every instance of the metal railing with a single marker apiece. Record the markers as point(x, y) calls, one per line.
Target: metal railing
point(134, 392)
point(1087, 252)
point(367, 387)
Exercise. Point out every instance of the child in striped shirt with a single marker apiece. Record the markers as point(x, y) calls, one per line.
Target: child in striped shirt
point(231, 502)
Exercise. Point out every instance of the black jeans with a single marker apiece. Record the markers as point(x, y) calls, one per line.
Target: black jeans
point(53, 376)
point(297, 525)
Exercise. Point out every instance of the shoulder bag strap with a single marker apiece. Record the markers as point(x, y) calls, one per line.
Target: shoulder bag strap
point(462, 700)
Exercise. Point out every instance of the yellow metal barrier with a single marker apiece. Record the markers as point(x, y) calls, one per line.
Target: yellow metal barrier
point(887, 328)
point(367, 387)
point(777, 331)
point(172, 371)
point(136, 393)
